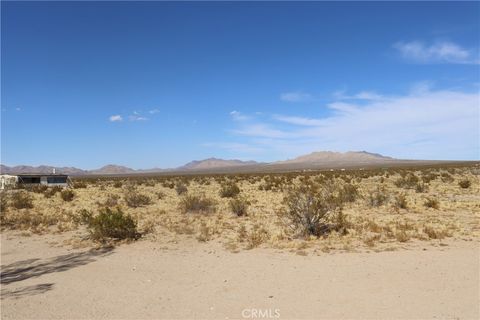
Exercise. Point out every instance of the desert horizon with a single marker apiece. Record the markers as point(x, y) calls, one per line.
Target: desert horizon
point(240, 160)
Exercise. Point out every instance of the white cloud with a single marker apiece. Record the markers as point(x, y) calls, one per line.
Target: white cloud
point(422, 124)
point(154, 111)
point(439, 52)
point(137, 117)
point(116, 118)
point(238, 116)
point(296, 96)
point(18, 109)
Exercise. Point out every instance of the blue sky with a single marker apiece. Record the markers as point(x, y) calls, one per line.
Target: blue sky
point(157, 84)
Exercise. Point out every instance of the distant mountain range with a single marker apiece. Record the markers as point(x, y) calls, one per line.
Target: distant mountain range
point(315, 160)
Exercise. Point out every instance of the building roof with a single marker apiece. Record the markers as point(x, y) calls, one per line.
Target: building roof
point(41, 175)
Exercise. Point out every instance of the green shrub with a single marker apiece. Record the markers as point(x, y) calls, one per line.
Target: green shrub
point(197, 204)
point(21, 200)
point(239, 206)
point(135, 199)
point(465, 184)
point(229, 190)
point(112, 224)
point(67, 195)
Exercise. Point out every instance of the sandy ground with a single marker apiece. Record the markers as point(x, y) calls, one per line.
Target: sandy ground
point(148, 280)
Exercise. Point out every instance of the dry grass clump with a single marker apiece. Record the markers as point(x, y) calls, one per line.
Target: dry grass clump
point(408, 181)
point(79, 185)
point(229, 190)
point(348, 193)
point(118, 184)
point(431, 203)
point(464, 184)
point(135, 199)
point(111, 224)
point(378, 197)
point(197, 204)
point(21, 200)
point(67, 195)
point(433, 233)
point(239, 206)
point(50, 192)
point(181, 188)
point(111, 200)
point(400, 201)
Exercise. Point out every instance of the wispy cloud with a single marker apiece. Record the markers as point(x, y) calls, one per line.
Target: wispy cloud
point(238, 116)
point(426, 123)
point(137, 117)
point(153, 111)
point(296, 96)
point(438, 52)
point(115, 118)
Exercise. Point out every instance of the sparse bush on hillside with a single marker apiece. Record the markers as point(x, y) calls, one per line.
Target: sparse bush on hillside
point(197, 204)
point(465, 184)
point(67, 195)
point(135, 199)
point(110, 201)
point(348, 193)
point(112, 224)
point(421, 187)
point(409, 181)
point(118, 184)
point(21, 200)
point(229, 190)
point(447, 177)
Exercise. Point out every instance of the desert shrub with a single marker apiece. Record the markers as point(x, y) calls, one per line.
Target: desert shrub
point(239, 206)
point(50, 192)
point(421, 187)
point(41, 188)
point(432, 233)
point(136, 199)
point(348, 193)
point(67, 195)
point(310, 210)
point(431, 203)
point(229, 190)
point(464, 184)
point(256, 236)
point(378, 197)
point(112, 224)
point(402, 236)
point(426, 178)
point(168, 184)
point(400, 201)
point(181, 188)
point(3, 202)
point(161, 195)
point(110, 201)
point(205, 233)
point(118, 184)
point(446, 177)
point(197, 204)
point(79, 185)
point(21, 200)
point(409, 181)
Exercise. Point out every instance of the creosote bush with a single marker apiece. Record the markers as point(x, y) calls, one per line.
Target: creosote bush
point(50, 192)
point(67, 195)
point(135, 199)
point(311, 210)
point(197, 204)
point(181, 188)
point(400, 201)
point(378, 197)
point(229, 190)
point(111, 224)
point(21, 200)
point(79, 185)
point(464, 184)
point(239, 206)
